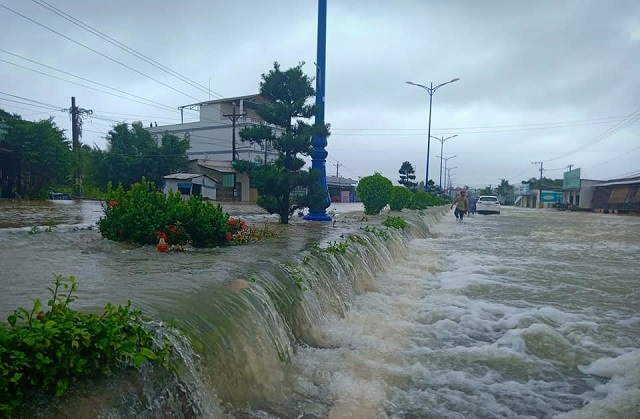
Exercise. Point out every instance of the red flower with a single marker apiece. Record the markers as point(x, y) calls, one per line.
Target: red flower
point(232, 222)
point(113, 203)
point(173, 229)
point(161, 235)
point(243, 225)
point(238, 236)
point(228, 236)
point(162, 246)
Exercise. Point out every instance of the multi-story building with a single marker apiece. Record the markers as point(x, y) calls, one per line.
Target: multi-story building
point(214, 138)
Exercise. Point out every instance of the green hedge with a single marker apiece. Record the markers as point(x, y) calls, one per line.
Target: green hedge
point(46, 351)
point(143, 214)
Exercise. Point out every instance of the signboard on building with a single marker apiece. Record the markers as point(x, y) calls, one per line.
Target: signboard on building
point(551, 196)
point(521, 189)
point(571, 179)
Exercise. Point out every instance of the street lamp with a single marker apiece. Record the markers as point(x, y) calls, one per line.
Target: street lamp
point(431, 90)
point(446, 160)
point(442, 140)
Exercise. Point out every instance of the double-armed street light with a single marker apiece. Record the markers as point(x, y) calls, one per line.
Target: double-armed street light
point(431, 89)
point(442, 140)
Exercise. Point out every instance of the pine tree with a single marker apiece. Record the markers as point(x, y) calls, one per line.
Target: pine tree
point(285, 106)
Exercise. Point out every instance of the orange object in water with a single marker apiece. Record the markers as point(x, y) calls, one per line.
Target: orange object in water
point(162, 245)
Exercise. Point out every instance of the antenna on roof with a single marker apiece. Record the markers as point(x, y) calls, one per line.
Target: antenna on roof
point(209, 88)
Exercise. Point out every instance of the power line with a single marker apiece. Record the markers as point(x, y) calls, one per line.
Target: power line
point(630, 119)
point(97, 52)
point(124, 47)
point(579, 121)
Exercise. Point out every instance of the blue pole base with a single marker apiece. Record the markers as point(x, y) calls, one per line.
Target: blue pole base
point(317, 216)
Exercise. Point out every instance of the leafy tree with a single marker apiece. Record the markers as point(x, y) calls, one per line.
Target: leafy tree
point(400, 198)
point(374, 191)
point(283, 185)
point(34, 156)
point(505, 191)
point(545, 182)
point(487, 191)
point(133, 153)
point(407, 175)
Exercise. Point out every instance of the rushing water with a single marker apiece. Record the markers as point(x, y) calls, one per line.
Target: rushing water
point(529, 314)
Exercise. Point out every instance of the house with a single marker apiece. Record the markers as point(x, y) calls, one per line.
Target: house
point(341, 189)
point(215, 136)
point(232, 186)
point(618, 196)
point(189, 184)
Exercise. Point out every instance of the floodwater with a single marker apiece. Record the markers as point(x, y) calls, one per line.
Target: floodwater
point(527, 314)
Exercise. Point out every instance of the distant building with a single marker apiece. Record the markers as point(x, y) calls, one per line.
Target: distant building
point(190, 184)
point(212, 142)
point(211, 137)
point(341, 189)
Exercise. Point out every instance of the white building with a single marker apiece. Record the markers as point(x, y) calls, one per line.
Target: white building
point(189, 184)
point(211, 137)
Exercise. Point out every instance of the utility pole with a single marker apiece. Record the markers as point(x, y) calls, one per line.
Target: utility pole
point(337, 165)
point(234, 118)
point(570, 166)
point(540, 188)
point(541, 170)
point(75, 136)
point(76, 133)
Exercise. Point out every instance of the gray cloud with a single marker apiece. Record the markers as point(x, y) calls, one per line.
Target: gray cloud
point(520, 63)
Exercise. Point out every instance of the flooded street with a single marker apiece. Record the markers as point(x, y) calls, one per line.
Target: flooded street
point(527, 314)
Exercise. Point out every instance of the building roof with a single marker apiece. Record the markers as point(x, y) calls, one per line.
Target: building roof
point(249, 98)
point(223, 166)
point(620, 182)
point(186, 176)
point(332, 180)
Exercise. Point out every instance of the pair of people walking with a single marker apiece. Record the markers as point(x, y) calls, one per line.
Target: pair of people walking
point(461, 202)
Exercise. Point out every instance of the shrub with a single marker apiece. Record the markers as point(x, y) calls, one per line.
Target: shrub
point(143, 214)
point(395, 222)
point(374, 191)
point(400, 198)
point(47, 351)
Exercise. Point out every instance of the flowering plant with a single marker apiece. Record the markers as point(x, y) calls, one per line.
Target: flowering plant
point(173, 234)
point(237, 231)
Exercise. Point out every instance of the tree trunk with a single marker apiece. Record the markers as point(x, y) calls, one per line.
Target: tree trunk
point(284, 210)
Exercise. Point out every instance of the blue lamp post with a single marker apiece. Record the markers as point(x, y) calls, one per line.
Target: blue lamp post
point(431, 90)
point(319, 156)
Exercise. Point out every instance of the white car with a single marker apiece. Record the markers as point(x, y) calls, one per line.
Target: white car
point(488, 204)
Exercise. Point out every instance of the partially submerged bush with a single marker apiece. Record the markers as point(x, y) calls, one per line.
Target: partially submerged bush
point(374, 191)
point(422, 200)
point(400, 198)
point(395, 222)
point(48, 350)
point(142, 213)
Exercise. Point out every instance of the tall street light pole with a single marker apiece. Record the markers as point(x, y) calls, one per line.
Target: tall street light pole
point(446, 160)
point(431, 90)
point(319, 154)
point(442, 140)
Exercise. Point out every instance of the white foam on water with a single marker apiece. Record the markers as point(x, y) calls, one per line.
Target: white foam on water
point(469, 327)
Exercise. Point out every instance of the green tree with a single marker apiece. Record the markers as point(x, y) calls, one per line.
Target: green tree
point(133, 153)
point(34, 156)
point(407, 175)
point(283, 185)
point(487, 191)
point(374, 191)
point(505, 191)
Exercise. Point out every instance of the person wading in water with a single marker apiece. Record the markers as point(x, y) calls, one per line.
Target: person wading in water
point(462, 205)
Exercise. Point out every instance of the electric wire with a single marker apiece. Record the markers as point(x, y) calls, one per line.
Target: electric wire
point(97, 52)
point(124, 47)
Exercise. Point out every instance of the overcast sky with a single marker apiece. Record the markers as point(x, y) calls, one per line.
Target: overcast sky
point(547, 80)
